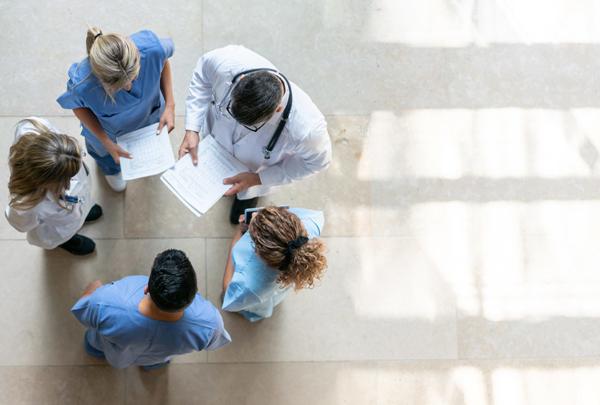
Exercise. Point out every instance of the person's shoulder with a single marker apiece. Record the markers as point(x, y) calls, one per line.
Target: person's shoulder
point(202, 314)
point(145, 38)
point(81, 77)
point(305, 116)
point(312, 220)
point(235, 59)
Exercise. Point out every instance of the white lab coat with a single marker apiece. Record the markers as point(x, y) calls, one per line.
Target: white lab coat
point(48, 224)
point(304, 147)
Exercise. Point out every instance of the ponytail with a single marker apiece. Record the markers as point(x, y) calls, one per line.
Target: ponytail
point(281, 240)
point(114, 59)
point(90, 38)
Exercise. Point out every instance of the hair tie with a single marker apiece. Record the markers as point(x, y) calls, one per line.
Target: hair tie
point(97, 35)
point(291, 247)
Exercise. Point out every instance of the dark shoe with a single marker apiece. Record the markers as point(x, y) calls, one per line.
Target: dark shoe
point(238, 208)
point(79, 245)
point(94, 214)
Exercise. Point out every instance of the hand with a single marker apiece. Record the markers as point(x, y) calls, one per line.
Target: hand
point(167, 118)
point(243, 225)
point(190, 145)
point(117, 152)
point(241, 182)
point(91, 287)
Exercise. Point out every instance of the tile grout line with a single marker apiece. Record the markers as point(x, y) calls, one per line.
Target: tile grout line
point(401, 361)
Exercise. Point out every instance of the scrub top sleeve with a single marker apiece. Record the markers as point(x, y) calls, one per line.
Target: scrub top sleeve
point(220, 336)
point(87, 311)
point(168, 47)
point(238, 298)
point(69, 100)
point(199, 95)
point(311, 156)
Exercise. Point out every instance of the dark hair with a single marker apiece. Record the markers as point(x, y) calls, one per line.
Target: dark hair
point(256, 97)
point(172, 285)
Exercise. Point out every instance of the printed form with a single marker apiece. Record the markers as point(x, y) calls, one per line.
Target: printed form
point(152, 154)
point(200, 187)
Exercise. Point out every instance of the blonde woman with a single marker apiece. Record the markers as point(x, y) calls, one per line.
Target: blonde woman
point(50, 190)
point(124, 84)
point(280, 250)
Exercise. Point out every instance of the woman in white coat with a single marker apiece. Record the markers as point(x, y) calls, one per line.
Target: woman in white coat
point(255, 113)
point(50, 190)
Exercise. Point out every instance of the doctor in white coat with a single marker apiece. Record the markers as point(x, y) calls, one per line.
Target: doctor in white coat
point(50, 188)
point(255, 113)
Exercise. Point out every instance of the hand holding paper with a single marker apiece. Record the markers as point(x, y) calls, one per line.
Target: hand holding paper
point(200, 187)
point(153, 153)
point(241, 182)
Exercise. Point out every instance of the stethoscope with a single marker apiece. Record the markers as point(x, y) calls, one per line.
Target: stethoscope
point(71, 200)
point(284, 116)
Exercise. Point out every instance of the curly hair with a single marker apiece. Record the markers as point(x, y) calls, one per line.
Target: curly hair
point(272, 229)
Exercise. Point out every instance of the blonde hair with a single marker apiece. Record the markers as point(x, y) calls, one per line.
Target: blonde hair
point(114, 58)
point(41, 161)
point(272, 230)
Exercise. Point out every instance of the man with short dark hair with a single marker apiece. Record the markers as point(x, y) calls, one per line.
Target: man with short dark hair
point(255, 113)
point(145, 321)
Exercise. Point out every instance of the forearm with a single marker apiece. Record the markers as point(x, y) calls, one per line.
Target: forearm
point(90, 121)
point(229, 267)
point(166, 85)
point(91, 287)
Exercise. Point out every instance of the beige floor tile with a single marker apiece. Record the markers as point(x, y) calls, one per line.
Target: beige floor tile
point(40, 60)
point(534, 296)
point(62, 385)
point(41, 286)
point(259, 383)
point(335, 51)
point(366, 307)
point(493, 382)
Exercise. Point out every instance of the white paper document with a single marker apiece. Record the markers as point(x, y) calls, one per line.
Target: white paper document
point(200, 187)
point(152, 154)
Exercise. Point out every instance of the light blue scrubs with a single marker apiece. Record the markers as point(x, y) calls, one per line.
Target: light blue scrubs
point(131, 110)
point(253, 290)
point(126, 337)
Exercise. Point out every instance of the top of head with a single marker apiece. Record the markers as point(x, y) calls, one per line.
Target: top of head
point(172, 283)
point(255, 97)
point(114, 58)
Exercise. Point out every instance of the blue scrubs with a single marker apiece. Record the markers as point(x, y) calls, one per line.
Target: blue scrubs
point(253, 290)
point(126, 337)
point(131, 110)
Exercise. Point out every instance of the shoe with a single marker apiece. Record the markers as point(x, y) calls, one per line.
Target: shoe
point(79, 245)
point(116, 182)
point(238, 208)
point(94, 214)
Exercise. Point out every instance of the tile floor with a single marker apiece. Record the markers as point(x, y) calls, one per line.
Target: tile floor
point(462, 207)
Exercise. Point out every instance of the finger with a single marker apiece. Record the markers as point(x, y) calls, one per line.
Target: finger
point(194, 154)
point(233, 190)
point(231, 180)
point(182, 151)
point(242, 219)
point(125, 154)
point(116, 158)
point(171, 126)
point(161, 124)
